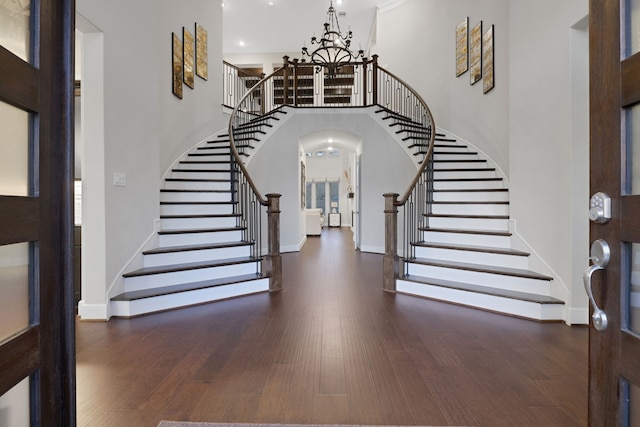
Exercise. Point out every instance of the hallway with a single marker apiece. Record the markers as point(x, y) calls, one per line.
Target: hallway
point(331, 348)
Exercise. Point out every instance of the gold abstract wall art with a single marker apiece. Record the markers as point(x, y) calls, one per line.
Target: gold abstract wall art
point(176, 44)
point(189, 57)
point(202, 67)
point(462, 47)
point(487, 60)
point(475, 53)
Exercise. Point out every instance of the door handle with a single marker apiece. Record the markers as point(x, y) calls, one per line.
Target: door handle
point(600, 255)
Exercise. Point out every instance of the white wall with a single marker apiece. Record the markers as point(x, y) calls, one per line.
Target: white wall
point(144, 126)
point(549, 167)
point(385, 168)
point(416, 41)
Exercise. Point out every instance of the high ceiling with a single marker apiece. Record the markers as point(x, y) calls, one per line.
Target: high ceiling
point(286, 25)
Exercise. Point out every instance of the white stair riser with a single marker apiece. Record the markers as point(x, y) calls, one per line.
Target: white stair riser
point(464, 185)
point(167, 240)
point(487, 302)
point(195, 196)
point(197, 185)
point(191, 164)
point(459, 174)
point(470, 223)
point(188, 276)
point(195, 209)
point(156, 260)
point(470, 209)
point(512, 283)
point(450, 146)
point(209, 156)
point(201, 175)
point(465, 156)
point(467, 239)
point(193, 223)
point(473, 257)
point(458, 165)
point(471, 196)
point(184, 299)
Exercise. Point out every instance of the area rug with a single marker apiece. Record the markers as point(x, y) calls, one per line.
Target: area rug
point(191, 424)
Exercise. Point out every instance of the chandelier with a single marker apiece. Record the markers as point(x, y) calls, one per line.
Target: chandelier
point(333, 49)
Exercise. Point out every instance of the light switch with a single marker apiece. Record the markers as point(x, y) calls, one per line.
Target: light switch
point(119, 179)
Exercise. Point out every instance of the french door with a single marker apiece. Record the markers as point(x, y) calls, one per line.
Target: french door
point(614, 378)
point(37, 351)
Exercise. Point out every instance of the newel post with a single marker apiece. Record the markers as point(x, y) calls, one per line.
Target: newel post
point(374, 78)
point(273, 259)
point(390, 270)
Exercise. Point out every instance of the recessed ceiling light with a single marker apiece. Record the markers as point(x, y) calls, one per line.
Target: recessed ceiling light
point(271, 3)
point(338, 2)
point(241, 43)
point(223, 4)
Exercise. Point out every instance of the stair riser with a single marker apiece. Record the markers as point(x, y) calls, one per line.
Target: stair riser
point(470, 223)
point(198, 185)
point(223, 167)
point(195, 197)
point(457, 148)
point(196, 209)
point(209, 156)
point(156, 260)
point(487, 302)
point(467, 239)
point(184, 299)
point(459, 165)
point(462, 156)
point(459, 174)
point(471, 196)
point(465, 185)
point(167, 240)
point(201, 175)
point(483, 258)
point(470, 209)
point(511, 283)
point(193, 223)
point(175, 278)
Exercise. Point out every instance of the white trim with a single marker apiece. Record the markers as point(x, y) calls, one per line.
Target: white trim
point(93, 311)
point(135, 262)
point(372, 249)
point(390, 5)
point(577, 316)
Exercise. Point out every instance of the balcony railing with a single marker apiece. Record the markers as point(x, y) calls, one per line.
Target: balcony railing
point(360, 84)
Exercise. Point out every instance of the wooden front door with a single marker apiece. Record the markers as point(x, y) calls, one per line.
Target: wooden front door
point(37, 351)
point(614, 379)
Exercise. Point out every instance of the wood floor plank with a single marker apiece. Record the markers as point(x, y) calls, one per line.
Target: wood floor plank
point(331, 347)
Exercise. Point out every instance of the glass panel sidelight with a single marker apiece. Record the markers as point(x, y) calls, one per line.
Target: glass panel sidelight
point(632, 119)
point(14, 151)
point(334, 196)
point(14, 406)
point(308, 195)
point(14, 289)
point(15, 27)
point(632, 297)
point(633, 27)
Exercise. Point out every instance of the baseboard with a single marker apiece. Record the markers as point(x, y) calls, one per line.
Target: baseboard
point(372, 249)
point(93, 311)
point(577, 316)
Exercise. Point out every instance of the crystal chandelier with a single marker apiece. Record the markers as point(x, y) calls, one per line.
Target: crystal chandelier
point(333, 50)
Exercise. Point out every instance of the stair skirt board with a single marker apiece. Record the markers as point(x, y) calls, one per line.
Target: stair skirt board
point(503, 305)
point(481, 278)
point(183, 299)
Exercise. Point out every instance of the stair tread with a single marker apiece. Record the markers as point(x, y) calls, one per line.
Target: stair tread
point(199, 247)
point(466, 231)
point(504, 271)
point(459, 160)
point(466, 179)
point(201, 230)
point(472, 248)
point(465, 170)
point(472, 190)
point(184, 287)
point(217, 203)
point(523, 296)
point(169, 190)
point(462, 202)
point(196, 180)
point(196, 216)
point(173, 268)
point(201, 170)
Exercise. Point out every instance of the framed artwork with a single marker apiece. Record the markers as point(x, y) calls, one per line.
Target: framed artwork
point(176, 48)
point(462, 47)
point(202, 67)
point(475, 53)
point(188, 58)
point(488, 81)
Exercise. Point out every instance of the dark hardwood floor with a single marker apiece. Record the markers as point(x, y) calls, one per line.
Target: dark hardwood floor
point(332, 347)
